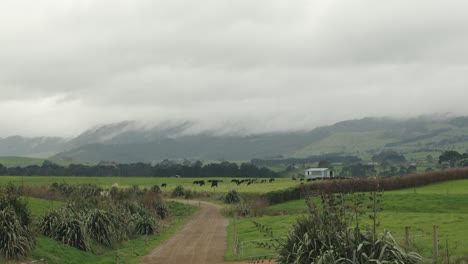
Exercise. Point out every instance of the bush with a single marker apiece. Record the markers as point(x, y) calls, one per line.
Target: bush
point(10, 200)
point(48, 223)
point(100, 226)
point(162, 210)
point(178, 191)
point(65, 226)
point(71, 231)
point(231, 197)
point(145, 225)
point(16, 240)
point(155, 189)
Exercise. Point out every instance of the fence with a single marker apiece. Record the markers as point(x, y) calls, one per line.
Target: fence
point(251, 249)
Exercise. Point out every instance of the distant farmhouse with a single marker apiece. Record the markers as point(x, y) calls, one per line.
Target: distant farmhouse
point(318, 173)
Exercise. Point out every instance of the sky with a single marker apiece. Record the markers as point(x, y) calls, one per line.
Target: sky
point(257, 66)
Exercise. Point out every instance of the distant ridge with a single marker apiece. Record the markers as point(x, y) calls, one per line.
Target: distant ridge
point(133, 141)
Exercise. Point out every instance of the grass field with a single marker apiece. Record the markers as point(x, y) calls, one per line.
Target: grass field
point(147, 182)
point(444, 205)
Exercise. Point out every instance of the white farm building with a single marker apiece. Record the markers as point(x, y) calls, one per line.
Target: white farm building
point(318, 173)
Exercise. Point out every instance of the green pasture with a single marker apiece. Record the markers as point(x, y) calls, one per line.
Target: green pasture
point(444, 205)
point(147, 182)
point(40, 206)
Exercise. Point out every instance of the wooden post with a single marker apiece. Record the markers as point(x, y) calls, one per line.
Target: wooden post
point(117, 258)
point(407, 234)
point(436, 244)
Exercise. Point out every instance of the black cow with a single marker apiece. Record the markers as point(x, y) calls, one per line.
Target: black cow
point(271, 180)
point(164, 185)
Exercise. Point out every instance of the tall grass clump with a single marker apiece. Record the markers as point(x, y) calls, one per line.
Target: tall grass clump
point(331, 233)
point(231, 197)
point(66, 226)
point(100, 226)
point(178, 191)
point(16, 240)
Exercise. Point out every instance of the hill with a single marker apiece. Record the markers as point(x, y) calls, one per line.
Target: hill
point(133, 141)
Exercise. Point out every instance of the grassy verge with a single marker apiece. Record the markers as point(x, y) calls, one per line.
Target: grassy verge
point(131, 251)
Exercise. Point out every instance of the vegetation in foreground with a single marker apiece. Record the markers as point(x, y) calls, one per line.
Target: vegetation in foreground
point(331, 233)
point(90, 221)
point(443, 204)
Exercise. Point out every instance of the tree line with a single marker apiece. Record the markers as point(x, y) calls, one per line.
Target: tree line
point(332, 158)
point(163, 169)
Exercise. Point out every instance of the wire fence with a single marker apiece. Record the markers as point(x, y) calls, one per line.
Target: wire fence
point(252, 249)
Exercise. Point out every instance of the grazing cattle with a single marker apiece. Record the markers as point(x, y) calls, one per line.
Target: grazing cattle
point(164, 185)
point(214, 183)
point(201, 183)
point(263, 181)
point(271, 180)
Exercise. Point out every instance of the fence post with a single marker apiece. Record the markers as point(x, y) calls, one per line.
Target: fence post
point(436, 244)
point(116, 258)
point(407, 234)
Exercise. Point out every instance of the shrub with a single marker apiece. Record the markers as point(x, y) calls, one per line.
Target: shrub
point(232, 197)
point(178, 191)
point(71, 231)
point(100, 226)
point(155, 189)
point(65, 226)
point(11, 200)
point(48, 223)
point(162, 210)
point(145, 224)
point(15, 239)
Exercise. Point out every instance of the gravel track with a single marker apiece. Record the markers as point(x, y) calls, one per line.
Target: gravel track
point(202, 240)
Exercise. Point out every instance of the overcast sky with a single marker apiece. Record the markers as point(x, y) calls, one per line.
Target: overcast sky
point(67, 65)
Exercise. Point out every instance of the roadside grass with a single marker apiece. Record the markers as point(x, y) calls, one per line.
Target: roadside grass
point(147, 182)
point(444, 204)
point(131, 251)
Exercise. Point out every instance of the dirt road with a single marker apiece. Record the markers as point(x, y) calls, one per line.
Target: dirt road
point(202, 240)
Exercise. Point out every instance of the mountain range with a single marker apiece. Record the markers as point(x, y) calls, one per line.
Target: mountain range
point(133, 141)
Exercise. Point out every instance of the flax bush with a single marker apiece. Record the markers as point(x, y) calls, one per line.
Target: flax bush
point(16, 241)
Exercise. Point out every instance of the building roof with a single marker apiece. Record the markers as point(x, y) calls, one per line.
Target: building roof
point(317, 169)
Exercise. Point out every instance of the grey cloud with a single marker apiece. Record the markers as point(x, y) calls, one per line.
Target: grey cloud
point(268, 65)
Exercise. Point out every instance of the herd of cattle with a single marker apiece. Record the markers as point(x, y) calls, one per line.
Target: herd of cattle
point(214, 183)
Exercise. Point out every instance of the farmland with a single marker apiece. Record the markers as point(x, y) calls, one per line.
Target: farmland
point(147, 182)
point(444, 204)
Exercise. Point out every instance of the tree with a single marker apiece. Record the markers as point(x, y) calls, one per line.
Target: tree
point(389, 155)
point(324, 164)
point(450, 156)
